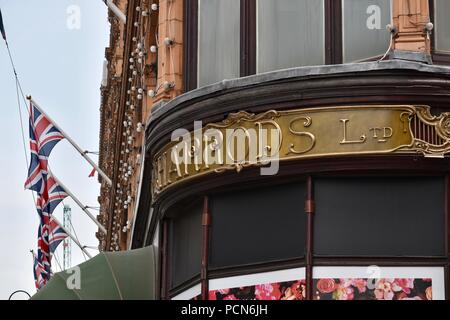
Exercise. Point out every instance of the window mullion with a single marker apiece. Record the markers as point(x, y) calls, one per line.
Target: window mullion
point(248, 38)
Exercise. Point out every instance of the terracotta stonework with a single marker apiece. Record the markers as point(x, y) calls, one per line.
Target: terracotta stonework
point(134, 70)
point(410, 17)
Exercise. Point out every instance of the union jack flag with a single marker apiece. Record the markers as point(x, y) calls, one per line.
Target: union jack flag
point(40, 275)
point(56, 236)
point(43, 138)
point(44, 255)
point(49, 237)
point(50, 234)
point(56, 194)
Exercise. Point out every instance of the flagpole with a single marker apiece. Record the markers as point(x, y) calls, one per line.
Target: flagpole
point(73, 143)
point(78, 202)
point(74, 239)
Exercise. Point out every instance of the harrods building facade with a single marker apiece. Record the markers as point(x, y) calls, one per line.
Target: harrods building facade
point(359, 123)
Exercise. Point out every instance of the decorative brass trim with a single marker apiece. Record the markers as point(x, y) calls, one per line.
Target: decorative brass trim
point(431, 133)
point(300, 134)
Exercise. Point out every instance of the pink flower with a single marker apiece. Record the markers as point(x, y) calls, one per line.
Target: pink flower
point(326, 285)
point(298, 290)
point(346, 282)
point(212, 295)
point(224, 291)
point(230, 297)
point(344, 290)
point(267, 292)
point(404, 285)
point(384, 290)
point(361, 284)
point(429, 293)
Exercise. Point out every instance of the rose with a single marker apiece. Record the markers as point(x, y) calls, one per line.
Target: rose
point(297, 290)
point(383, 289)
point(288, 295)
point(326, 285)
point(429, 293)
point(268, 292)
point(343, 293)
point(404, 285)
point(224, 291)
point(361, 284)
point(212, 295)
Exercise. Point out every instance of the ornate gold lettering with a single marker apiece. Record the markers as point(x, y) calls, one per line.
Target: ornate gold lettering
point(307, 122)
point(214, 150)
point(344, 140)
point(388, 130)
point(243, 140)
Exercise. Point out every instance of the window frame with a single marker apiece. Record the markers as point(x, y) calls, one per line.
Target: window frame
point(318, 260)
point(438, 57)
point(248, 37)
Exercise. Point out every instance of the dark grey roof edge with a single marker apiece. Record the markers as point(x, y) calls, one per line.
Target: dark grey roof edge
point(290, 73)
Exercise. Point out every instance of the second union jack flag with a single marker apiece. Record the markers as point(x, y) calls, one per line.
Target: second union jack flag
point(50, 233)
point(56, 236)
point(40, 275)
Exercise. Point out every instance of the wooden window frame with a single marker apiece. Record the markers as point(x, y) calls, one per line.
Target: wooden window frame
point(438, 57)
point(333, 38)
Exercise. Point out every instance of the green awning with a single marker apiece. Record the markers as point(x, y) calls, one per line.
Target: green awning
point(108, 276)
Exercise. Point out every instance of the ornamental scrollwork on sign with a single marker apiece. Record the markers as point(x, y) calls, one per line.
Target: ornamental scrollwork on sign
point(431, 133)
point(243, 116)
point(235, 119)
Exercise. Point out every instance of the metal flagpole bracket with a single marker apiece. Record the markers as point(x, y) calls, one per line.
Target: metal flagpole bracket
point(78, 202)
point(74, 239)
point(119, 14)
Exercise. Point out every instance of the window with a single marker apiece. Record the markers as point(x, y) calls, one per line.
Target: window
point(379, 217)
point(290, 33)
point(218, 40)
point(258, 225)
point(233, 38)
point(364, 28)
point(442, 25)
point(375, 219)
point(185, 242)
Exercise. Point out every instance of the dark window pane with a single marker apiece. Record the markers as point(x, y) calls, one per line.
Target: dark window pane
point(186, 239)
point(379, 216)
point(258, 225)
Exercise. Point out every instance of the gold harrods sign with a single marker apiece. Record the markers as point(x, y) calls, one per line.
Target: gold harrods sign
point(245, 139)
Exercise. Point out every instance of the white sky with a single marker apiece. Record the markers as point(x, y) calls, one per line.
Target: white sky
point(62, 69)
